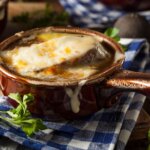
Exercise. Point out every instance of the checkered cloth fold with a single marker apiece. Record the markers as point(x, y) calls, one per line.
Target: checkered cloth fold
point(92, 13)
point(107, 129)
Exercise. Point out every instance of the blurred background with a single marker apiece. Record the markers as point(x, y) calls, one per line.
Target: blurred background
point(17, 15)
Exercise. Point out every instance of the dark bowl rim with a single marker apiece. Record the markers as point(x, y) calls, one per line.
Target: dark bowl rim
point(37, 82)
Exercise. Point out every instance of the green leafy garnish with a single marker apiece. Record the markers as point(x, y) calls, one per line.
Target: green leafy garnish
point(21, 117)
point(113, 33)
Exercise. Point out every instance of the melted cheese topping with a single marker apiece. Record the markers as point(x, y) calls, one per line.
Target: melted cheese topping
point(43, 60)
point(74, 96)
point(49, 53)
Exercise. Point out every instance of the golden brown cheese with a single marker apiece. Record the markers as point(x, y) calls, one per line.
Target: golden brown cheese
point(43, 60)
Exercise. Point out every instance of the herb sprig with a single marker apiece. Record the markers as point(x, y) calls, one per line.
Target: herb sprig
point(21, 117)
point(114, 34)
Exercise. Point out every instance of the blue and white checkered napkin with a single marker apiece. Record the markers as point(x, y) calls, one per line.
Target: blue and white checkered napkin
point(106, 129)
point(92, 13)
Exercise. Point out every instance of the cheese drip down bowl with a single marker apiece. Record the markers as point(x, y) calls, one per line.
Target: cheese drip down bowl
point(68, 70)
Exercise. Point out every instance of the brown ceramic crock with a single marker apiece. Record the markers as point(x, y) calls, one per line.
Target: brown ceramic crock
point(51, 100)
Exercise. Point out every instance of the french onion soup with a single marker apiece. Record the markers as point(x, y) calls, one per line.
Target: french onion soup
point(56, 56)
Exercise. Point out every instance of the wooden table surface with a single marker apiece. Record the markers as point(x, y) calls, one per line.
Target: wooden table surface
point(138, 137)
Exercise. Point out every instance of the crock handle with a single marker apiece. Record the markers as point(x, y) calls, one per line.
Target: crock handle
point(130, 81)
